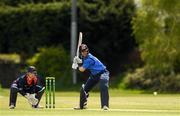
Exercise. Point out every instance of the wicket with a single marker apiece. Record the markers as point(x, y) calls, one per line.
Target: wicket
point(50, 92)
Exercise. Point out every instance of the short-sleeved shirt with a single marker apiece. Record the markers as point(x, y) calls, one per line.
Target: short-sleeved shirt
point(92, 64)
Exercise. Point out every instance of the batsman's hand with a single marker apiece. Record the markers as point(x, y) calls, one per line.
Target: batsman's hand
point(74, 66)
point(77, 60)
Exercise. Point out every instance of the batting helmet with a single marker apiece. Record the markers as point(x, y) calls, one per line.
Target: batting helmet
point(83, 47)
point(32, 69)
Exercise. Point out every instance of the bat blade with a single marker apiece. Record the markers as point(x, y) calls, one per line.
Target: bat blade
point(79, 43)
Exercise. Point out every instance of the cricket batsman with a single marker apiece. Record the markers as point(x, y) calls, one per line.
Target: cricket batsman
point(98, 73)
point(27, 86)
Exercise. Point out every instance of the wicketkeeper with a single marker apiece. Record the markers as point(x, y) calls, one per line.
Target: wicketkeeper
point(27, 85)
point(98, 73)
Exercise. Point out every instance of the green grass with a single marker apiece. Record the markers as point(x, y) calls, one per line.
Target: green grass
point(122, 103)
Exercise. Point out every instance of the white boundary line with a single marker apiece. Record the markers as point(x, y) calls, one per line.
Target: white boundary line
point(126, 110)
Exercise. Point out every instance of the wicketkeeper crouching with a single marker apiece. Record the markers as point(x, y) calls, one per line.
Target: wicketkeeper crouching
point(27, 85)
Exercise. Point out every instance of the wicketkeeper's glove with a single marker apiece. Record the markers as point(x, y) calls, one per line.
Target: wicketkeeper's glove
point(31, 99)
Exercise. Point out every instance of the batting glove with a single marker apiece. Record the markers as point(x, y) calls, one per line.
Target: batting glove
point(74, 66)
point(77, 60)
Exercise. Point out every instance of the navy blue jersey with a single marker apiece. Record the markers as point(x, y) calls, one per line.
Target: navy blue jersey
point(21, 84)
point(92, 64)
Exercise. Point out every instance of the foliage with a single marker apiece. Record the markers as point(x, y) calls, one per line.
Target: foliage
point(16, 3)
point(26, 28)
point(107, 29)
point(15, 58)
point(149, 79)
point(53, 61)
point(105, 25)
point(156, 30)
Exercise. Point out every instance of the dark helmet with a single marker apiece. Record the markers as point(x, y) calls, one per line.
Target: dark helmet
point(31, 69)
point(83, 47)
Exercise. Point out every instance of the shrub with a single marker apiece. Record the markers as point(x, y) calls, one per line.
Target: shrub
point(170, 83)
point(149, 79)
point(34, 25)
point(9, 58)
point(104, 22)
point(53, 61)
point(16, 3)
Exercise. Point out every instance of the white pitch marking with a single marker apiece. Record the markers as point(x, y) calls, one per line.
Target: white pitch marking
point(126, 110)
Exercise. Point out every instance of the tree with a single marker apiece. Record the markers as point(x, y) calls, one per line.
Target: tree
point(156, 29)
point(53, 61)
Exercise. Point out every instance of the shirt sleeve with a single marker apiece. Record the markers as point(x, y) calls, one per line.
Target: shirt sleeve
point(21, 86)
point(87, 63)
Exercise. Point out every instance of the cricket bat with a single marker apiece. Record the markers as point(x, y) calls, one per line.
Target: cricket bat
point(75, 65)
point(79, 43)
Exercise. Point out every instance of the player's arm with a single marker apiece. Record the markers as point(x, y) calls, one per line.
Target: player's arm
point(21, 86)
point(82, 69)
point(86, 64)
